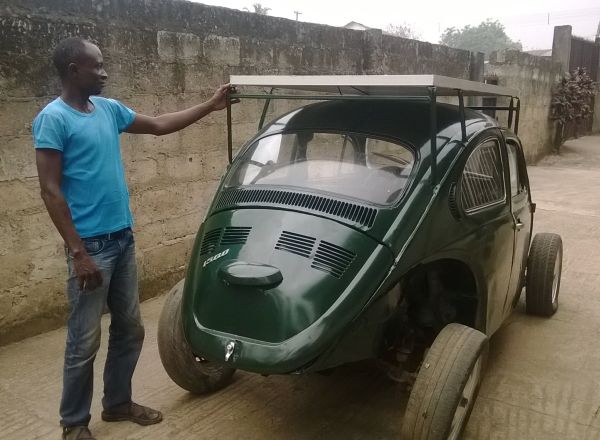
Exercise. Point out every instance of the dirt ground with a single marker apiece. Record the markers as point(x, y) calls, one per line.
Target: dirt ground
point(543, 380)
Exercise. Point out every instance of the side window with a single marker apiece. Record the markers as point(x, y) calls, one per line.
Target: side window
point(515, 164)
point(482, 182)
point(513, 168)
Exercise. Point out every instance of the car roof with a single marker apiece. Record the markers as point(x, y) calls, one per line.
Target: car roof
point(404, 121)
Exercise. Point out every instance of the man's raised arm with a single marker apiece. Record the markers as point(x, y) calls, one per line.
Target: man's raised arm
point(171, 122)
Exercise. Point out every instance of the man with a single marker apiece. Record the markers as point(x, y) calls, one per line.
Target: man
point(83, 186)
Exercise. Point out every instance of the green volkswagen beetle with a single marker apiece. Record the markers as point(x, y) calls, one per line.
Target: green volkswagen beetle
point(375, 222)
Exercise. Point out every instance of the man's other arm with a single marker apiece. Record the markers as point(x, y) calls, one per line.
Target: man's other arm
point(49, 165)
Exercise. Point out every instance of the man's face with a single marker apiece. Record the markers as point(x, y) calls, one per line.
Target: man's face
point(88, 73)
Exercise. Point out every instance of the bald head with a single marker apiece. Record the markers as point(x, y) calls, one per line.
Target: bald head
point(68, 51)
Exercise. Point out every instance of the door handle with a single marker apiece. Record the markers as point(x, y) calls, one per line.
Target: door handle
point(519, 225)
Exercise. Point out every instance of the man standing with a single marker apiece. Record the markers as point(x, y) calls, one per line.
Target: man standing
point(83, 186)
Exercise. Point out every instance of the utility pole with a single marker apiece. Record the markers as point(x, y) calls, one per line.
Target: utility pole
point(297, 13)
point(598, 33)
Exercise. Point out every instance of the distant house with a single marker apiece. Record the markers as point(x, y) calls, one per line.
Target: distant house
point(540, 52)
point(356, 26)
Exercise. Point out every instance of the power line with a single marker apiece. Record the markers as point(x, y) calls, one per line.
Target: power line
point(550, 18)
point(554, 14)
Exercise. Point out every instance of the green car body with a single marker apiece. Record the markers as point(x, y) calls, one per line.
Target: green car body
point(284, 279)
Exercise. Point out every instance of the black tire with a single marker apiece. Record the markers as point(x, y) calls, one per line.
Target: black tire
point(176, 354)
point(544, 267)
point(437, 395)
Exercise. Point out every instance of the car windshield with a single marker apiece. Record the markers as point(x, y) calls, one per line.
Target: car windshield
point(347, 164)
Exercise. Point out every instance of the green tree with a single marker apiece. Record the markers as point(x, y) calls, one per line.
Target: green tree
point(403, 30)
point(571, 104)
point(259, 9)
point(487, 37)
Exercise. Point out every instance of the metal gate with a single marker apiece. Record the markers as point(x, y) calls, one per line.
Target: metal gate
point(585, 53)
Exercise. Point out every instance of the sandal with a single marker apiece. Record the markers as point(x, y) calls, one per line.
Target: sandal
point(132, 412)
point(77, 433)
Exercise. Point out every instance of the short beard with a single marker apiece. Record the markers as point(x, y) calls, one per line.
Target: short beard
point(94, 92)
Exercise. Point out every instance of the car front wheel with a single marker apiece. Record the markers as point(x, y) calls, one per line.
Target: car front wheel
point(544, 268)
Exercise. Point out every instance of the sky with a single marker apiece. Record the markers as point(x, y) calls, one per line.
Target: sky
point(529, 21)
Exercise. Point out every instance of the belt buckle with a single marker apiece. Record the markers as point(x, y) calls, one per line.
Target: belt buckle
point(116, 234)
point(113, 235)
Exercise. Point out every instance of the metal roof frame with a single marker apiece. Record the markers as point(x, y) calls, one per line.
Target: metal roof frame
point(375, 87)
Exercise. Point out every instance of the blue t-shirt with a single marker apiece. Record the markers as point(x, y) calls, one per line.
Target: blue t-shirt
point(93, 180)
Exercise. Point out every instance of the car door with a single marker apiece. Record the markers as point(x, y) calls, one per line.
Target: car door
point(484, 200)
point(522, 215)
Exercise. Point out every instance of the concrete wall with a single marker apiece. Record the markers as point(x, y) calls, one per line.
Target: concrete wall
point(596, 123)
point(534, 78)
point(161, 55)
point(561, 45)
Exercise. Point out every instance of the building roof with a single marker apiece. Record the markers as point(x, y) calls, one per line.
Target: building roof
point(540, 52)
point(356, 26)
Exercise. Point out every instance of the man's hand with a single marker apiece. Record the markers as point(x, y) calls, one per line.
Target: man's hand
point(87, 272)
point(218, 100)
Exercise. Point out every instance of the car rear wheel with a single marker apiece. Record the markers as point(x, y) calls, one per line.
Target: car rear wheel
point(544, 268)
point(444, 393)
point(197, 376)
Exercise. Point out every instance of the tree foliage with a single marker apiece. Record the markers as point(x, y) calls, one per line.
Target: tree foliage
point(402, 30)
point(259, 9)
point(487, 37)
point(572, 102)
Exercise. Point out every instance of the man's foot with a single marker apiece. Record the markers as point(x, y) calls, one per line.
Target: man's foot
point(77, 433)
point(142, 415)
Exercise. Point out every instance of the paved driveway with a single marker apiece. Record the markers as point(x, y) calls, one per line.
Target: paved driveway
point(543, 380)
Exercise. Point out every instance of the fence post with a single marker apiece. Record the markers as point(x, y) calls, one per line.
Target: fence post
point(561, 46)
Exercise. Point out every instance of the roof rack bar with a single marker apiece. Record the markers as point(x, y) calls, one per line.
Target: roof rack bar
point(333, 97)
point(516, 130)
point(433, 132)
point(487, 107)
point(461, 111)
point(264, 112)
point(228, 98)
point(511, 109)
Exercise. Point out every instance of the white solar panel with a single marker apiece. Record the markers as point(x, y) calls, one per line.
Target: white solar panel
point(374, 85)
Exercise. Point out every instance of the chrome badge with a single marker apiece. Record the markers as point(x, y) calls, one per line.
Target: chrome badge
point(229, 349)
point(215, 257)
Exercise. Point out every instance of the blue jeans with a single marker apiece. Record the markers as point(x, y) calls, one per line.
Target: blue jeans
point(115, 258)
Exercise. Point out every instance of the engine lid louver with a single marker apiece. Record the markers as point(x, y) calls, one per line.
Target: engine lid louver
point(210, 241)
point(359, 214)
point(296, 243)
point(332, 259)
point(235, 235)
point(328, 257)
point(231, 235)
